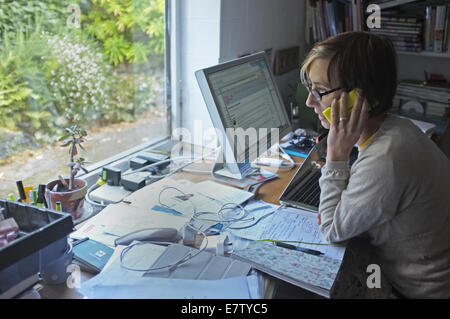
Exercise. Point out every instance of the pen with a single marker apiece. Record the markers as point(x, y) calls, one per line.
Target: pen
point(35, 196)
point(79, 241)
point(22, 195)
point(302, 249)
point(41, 195)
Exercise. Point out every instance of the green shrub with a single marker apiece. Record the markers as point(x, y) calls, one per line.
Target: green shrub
point(23, 91)
point(78, 79)
point(52, 75)
point(129, 30)
point(20, 15)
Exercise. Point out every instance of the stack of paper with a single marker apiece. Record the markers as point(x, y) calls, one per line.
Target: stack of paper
point(117, 282)
point(165, 203)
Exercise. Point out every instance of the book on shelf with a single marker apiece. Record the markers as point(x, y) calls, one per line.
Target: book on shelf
point(429, 93)
point(325, 18)
point(403, 20)
point(437, 109)
point(439, 28)
point(393, 3)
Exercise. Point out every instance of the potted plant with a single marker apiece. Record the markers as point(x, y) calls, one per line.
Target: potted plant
point(70, 192)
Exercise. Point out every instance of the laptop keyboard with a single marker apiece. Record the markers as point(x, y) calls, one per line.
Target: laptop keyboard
point(309, 190)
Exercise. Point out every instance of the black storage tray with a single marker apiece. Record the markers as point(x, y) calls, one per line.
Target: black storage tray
point(39, 227)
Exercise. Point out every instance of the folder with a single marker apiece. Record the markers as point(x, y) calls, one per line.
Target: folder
point(313, 273)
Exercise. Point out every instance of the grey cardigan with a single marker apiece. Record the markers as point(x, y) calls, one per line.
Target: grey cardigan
point(398, 193)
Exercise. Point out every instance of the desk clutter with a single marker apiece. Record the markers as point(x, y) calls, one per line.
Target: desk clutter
point(239, 234)
point(36, 241)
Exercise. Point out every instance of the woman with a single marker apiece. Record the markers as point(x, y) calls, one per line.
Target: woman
point(397, 191)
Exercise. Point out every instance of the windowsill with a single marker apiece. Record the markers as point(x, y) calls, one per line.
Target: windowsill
point(120, 160)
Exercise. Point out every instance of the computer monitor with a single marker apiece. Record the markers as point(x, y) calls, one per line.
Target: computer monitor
point(246, 110)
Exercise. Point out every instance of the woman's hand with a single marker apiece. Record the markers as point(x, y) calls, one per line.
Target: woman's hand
point(345, 129)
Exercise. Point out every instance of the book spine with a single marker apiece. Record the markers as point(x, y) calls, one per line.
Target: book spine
point(333, 17)
point(439, 28)
point(323, 27)
point(427, 27)
point(316, 27)
point(433, 28)
point(399, 19)
point(447, 30)
point(354, 16)
point(347, 20)
point(359, 15)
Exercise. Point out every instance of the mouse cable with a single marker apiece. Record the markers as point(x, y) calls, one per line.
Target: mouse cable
point(188, 256)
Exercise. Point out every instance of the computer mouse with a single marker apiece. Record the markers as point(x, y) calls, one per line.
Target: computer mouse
point(150, 234)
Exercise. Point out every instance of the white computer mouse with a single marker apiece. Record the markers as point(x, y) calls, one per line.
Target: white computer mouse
point(273, 162)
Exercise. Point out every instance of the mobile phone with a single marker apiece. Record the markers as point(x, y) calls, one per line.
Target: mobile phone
point(350, 102)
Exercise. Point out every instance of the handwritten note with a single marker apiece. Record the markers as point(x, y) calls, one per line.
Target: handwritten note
point(293, 224)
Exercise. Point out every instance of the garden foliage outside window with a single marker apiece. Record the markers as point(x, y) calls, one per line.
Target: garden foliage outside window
point(96, 63)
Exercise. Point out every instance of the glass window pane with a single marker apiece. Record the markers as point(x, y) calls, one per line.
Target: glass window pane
point(98, 64)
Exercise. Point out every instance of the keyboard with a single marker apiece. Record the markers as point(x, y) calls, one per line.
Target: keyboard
point(303, 190)
point(308, 191)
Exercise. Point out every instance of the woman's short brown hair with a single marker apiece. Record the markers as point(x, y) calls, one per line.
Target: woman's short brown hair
point(359, 60)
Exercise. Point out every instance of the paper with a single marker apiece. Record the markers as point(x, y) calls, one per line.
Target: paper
point(253, 179)
point(163, 288)
point(299, 268)
point(254, 286)
point(259, 215)
point(205, 199)
point(120, 219)
point(117, 282)
point(292, 224)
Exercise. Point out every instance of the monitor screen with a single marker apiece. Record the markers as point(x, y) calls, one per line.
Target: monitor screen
point(242, 98)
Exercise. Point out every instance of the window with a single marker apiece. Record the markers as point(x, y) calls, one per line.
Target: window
point(96, 63)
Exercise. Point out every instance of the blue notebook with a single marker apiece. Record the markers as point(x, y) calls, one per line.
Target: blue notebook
point(92, 254)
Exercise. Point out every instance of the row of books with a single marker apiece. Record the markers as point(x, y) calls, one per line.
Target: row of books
point(435, 98)
point(416, 26)
point(411, 25)
point(327, 18)
point(437, 28)
point(405, 32)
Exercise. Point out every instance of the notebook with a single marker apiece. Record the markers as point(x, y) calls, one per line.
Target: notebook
point(314, 273)
point(92, 255)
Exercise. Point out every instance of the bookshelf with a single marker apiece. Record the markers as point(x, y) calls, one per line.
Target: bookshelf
point(394, 3)
point(425, 54)
point(406, 23)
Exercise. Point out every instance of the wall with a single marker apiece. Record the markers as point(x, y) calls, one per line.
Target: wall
point(255, 25)
point(214, 31)
point(198, 47)
point(413, 66)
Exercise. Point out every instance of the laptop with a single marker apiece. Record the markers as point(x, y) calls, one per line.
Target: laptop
point(303, 190)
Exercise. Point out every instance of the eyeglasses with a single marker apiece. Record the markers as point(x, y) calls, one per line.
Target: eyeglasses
point(317, 95)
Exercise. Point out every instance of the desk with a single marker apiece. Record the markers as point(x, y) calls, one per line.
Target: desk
point(355, 265)
point(269, 192)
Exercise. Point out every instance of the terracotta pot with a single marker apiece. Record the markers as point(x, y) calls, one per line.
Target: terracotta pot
point(71, 201)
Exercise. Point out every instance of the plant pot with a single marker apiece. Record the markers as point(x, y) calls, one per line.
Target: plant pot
point(71, 201)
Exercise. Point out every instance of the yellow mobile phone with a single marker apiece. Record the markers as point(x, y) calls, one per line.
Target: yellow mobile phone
point(350, 102)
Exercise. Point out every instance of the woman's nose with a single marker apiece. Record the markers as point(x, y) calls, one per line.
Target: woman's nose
point(311, 101)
